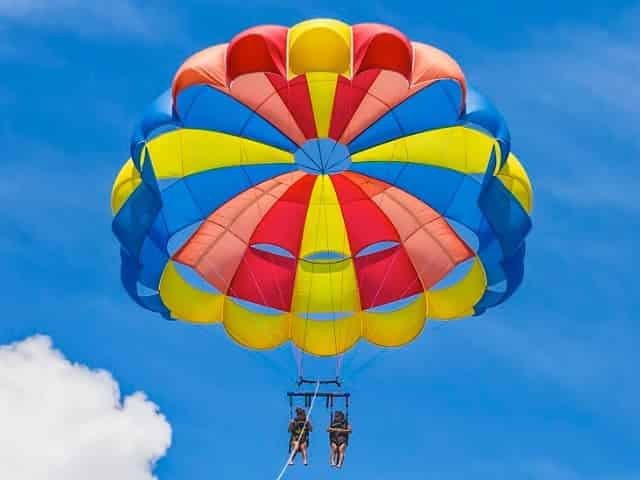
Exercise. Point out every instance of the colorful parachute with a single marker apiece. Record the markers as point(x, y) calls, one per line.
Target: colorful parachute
point(321, 184)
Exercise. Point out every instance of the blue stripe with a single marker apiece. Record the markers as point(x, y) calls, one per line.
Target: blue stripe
point(152, 262)
point(206, 108)
point(129, 271)
point(197, 196)
point(158, 117)
point(514, 274)
point(179, 207)
point(134, 219)
point(488, 209)
point(436, 106)
point(509, 221)
point(435, 186)
point(482, 113)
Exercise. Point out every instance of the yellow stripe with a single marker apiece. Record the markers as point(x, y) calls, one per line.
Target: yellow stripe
point(396, 328)
point(515, 179)
point(319, 45)
point(124, 185)
point(179, 153)
point(458, 148)
point(183, 152)
point(186, 302)
point(324, 228)
point(458, 300)
point(326, 337)
point(322, 89)
point(325, 287)
point(203, 150)
point(166, 154)
point(255, 330)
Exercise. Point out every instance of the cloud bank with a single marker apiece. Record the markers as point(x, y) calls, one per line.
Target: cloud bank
point(64, 421)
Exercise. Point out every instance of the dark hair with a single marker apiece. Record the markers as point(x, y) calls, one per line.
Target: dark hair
point(339, 415)
point(300, 411)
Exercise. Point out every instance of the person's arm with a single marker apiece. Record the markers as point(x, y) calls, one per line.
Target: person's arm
point(290, 426)
point(309, 427)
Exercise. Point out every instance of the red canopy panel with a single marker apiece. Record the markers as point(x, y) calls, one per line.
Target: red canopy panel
point(384, 276)
point(432, 64)
point(432, 245)
point(295, 95)
point(257, 92)
point(264, 277)
point(377, 46)
point(258, 49)
point(366, 223)
point(205, 67)
point(216, 248)
point(348, 96)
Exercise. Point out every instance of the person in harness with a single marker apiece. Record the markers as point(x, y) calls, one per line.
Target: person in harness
point(299, 427)
point(339, 431)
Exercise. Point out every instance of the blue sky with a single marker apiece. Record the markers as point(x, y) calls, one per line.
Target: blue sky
point(543, 388)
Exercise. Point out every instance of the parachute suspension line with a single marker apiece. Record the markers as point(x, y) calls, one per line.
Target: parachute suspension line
point(297, 356)
point(339, 359)
point(290, 407)
point(292, 453)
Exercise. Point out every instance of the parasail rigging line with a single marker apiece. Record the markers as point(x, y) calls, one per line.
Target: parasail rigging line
point(293, 452)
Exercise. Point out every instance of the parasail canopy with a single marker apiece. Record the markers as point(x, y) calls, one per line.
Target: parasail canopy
point(321, 184)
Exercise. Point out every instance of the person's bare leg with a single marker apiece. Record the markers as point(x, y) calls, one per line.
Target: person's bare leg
point(341, 451)
point(303, 449)
point(294, 448)
point(333, 457)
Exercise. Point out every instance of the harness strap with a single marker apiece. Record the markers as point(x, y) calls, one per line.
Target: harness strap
point(313, 401)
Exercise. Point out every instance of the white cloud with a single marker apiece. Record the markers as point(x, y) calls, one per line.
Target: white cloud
point(63, 421)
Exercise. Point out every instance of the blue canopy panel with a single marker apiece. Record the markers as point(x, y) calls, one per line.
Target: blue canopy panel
point(150, 216)
point(514, 274)
point(152, 261)
point(435, 106)
point(129, 273)
point(481, 113)
point(159, 117)
point(438, 187)
point(134, 220)
point(196, 196)
point(488, 209)
point(206, 108)
point(508, 219)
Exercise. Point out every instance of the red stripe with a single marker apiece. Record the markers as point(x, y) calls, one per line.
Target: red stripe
point(385, 276)
point(258, 49)
point(381, 46)
point(295, 95)
point(366, 223)
point(283, 225)
point(265, 278)
point(349, 95)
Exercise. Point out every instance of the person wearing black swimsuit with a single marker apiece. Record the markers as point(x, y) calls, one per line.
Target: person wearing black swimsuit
point(339, 431)
point(299, 428)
